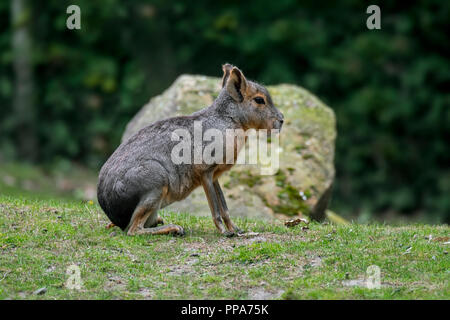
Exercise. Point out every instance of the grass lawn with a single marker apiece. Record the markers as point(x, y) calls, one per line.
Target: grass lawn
point(40, 239)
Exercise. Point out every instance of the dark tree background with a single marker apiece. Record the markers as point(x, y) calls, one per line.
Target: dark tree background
point(389, 87)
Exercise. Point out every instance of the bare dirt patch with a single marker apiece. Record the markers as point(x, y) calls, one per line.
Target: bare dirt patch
point(263, 294)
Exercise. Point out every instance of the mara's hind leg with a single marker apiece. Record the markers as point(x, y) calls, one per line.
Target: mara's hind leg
point(153, 222)
point(147, 210)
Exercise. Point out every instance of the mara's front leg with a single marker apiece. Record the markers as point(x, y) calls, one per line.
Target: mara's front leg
point(213, 201)
point(224, 209)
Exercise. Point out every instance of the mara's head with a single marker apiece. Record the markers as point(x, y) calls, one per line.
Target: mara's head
point(253, 103)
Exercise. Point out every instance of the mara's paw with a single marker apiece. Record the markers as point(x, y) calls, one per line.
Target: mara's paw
point(229, 234)
point(176, 230)
point(234, 232)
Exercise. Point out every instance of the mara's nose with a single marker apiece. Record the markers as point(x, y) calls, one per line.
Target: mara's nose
point(280, 116)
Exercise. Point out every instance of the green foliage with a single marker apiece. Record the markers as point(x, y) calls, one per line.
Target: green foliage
point(388, 87)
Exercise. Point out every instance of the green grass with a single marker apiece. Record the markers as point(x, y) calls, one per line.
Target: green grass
point(40, 239)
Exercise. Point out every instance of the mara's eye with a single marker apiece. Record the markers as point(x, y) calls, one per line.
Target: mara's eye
point(259, 100)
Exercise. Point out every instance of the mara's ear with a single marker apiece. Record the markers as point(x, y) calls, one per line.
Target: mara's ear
point(236, 84)
point(226, 73)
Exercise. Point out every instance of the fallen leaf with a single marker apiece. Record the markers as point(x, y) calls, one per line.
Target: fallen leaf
point(294, 222)
point(442, 239)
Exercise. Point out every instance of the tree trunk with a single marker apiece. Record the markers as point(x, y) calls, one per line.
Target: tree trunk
point(23, 104)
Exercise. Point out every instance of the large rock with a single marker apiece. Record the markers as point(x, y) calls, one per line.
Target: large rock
point(303, 182)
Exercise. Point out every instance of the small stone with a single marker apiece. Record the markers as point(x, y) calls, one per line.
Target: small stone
point(40, 291)
point(113, 234)
point(248, 234)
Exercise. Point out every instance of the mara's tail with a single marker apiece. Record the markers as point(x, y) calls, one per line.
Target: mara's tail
point(118, 208)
